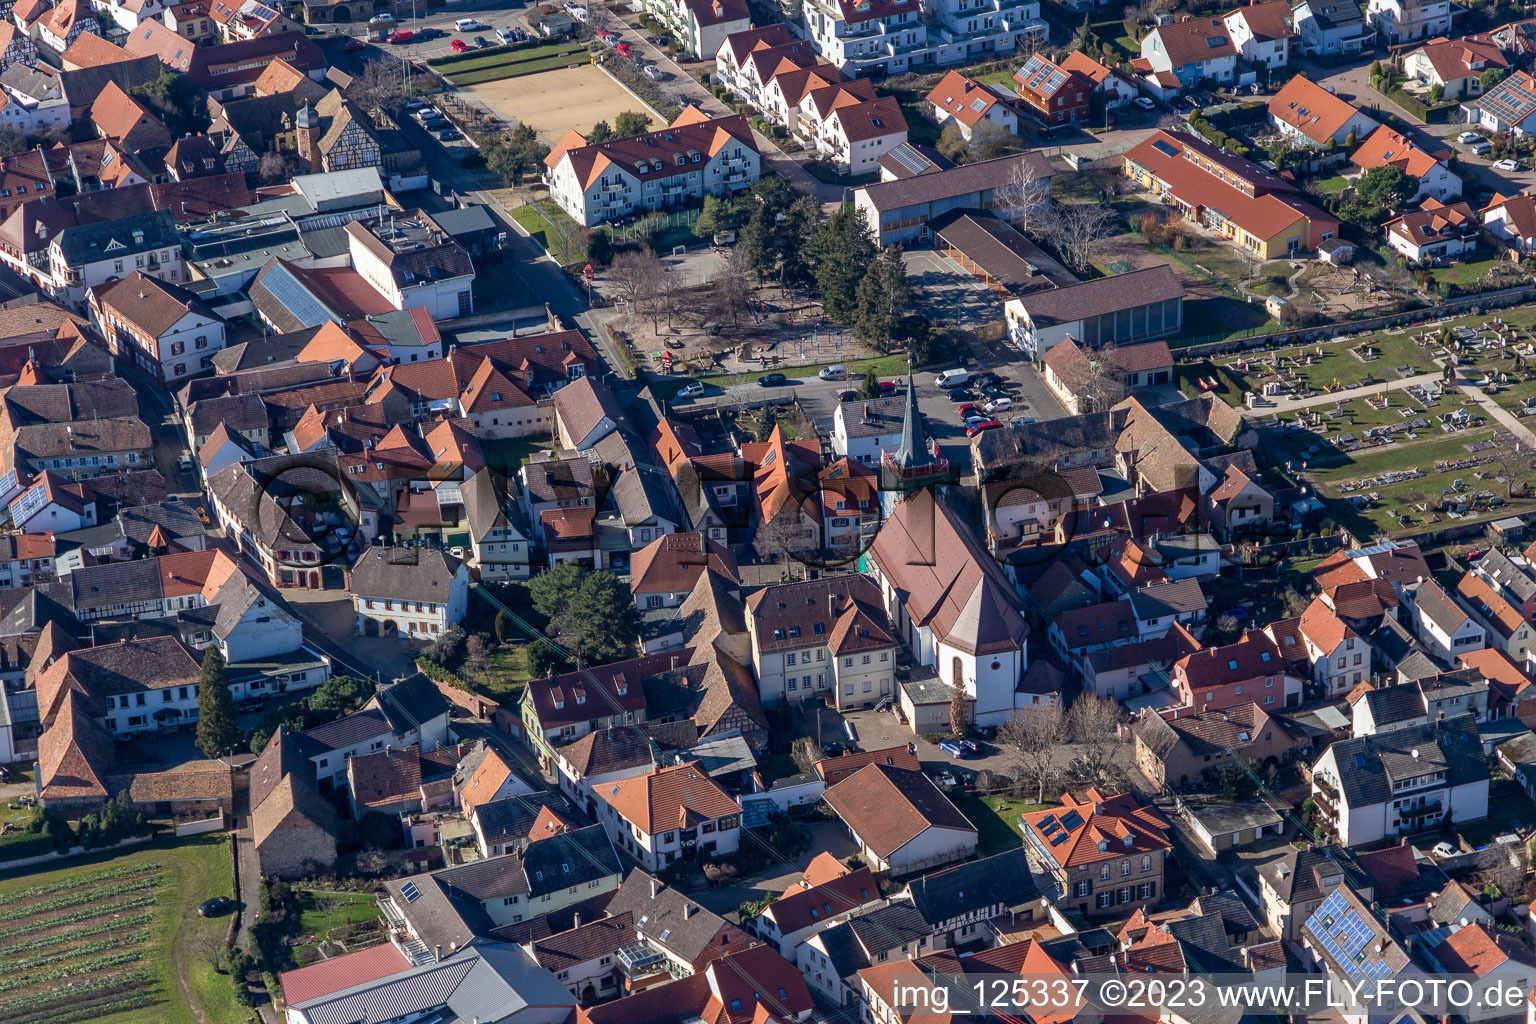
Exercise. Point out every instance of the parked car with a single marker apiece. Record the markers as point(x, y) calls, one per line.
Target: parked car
point(468, 25)
point(971, 747)
point(436, 124)
point(426, 113)
point(691, 390)
point(380, 19)
point(954, 749)
point(976, 428)
point(622, 49)
point(506, 35)
point(968, 410)
point(216, 906)
point(989, 379)
point(184, 463)
point(353, 45)
point(961, 394)
point(1506, 165)
point(413, 103)
point(1466, 137)
point(404, 35)
point(653, 73)
point(999, 405)
point(1480, 148)
point(448, 135)
point(772, 380)
point(1145, 104)
point(481, 42)
point(888, 388)
point(459, 46)
point(847, 396)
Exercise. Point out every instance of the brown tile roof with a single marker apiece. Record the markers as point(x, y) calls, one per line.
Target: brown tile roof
point(210, 781)
point(1103, 819)
point(833, 770)
point(668, 798)
point(793, 615)
point(485, 781)
point(1323, 627)
point(1455, 59)
point(674, 562)
point(1268, 21)
point(150, 304)
point(888, 807)
point(800, 908)
point(1254, 655)
point(385, 777)
point(957, 181)
point(567, 949)
point(1387, 148)
point(74, 753)
point(762, 983)
point(1195, 41)
point(870, 119)
point(1499, 613)
point(131, 666)
point(570, 698)
point(91, 51)
point(1434, 221)
point(1473, 949)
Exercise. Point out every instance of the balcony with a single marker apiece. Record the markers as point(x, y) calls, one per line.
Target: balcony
point(640, 960)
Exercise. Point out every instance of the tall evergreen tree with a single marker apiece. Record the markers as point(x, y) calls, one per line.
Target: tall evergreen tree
point(883, 295)
point(218, 733)
point(754, 245)
point(841, 251)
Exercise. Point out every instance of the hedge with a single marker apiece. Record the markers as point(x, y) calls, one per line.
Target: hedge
point(20, 844)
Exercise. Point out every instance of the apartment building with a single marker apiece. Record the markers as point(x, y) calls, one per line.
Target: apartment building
point(693, 157)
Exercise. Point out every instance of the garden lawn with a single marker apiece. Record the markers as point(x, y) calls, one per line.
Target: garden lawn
point(150, 963)
point(538, 222)
point(322, 910)
point(1004, 77)
point(996, 817)
point(519, 69)
point(499, 55)
point(1466, 273)
point(508, 454)
point(1328, 186)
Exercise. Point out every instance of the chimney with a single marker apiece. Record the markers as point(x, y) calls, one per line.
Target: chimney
point(687, 911)
point(655, 887)
point(576, 920)
point(437, 951)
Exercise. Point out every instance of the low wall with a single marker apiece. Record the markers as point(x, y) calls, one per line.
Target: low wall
point(197, 828)
point(73, 851)
point(1283, 339)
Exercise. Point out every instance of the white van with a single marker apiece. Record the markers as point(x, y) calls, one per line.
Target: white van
point(838, 372)
point(951, 379)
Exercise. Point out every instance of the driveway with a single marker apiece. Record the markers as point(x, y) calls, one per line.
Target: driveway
point(826, 836)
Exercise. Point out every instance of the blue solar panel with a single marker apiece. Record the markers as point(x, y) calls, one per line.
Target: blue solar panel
point(8, 482)
point(29, 502)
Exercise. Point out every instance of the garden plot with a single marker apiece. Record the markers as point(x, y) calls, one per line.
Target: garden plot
point(118, 941)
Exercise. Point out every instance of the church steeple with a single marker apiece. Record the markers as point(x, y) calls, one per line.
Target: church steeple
point(916, 463)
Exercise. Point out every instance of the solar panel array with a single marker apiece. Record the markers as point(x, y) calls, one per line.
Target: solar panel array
point(1041, 76)
point(1510, 103)
point(1339, 929)
point(910, 159)
point(410, 892)
point(1071, 821)
point(30, 501)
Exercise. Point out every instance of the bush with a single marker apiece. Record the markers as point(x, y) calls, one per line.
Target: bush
point(446, 648)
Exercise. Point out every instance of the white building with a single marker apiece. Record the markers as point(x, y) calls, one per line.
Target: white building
point(1195, 50)
point(900, 821)
point(1262, 32)
point(414, 592)
point(1403, 21)
point(1332, 28)
point(1407, 781)
point(87, 255)
point(862, 430)
point(499, 542)
point(875, 37)
point(820, 635)
point(693, 157)
point(411, 262)
point(669, 814)
point(1443, 626)
point(1340, 657)
point(167, 331)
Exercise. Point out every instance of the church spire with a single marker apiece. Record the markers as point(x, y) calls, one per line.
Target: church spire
point(914, 451)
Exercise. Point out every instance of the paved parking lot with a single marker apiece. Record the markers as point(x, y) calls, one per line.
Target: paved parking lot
point(948, 295)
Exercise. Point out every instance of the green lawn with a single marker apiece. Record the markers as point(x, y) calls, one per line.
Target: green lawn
point(1328, 186)
point(996, 818)
point(128, 924)
point(540, 223)
point(1466, 273)
point(498, 55)
point(1004, 77)
point(508, 454)
point(880, 366)
point(325, 914)
point(500, 71)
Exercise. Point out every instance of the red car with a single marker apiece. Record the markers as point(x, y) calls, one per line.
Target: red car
point(888, 387)
point(459, 45)
point(976, 428)
point(622, 49)
point(968, 410)
point(354, 44)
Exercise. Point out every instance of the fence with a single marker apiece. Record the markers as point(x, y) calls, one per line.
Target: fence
point(1199, 349)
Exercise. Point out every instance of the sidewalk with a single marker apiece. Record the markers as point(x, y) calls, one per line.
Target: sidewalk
point(1285, 405)
point(1508, 420)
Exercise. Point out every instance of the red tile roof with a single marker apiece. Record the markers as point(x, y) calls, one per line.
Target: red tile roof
point(1105, 820)
point(963, 99)
point(668, 798)
point(1195, 41)
point(341, 972)
point(1310, 109)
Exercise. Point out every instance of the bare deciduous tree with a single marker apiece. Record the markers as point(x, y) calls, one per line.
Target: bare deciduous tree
point(1093, 725)
point(272, 167)
point(1023, 196)
point(380, 85)
point(728, 293)
point(1106, 382)
point(636, 274)
point(1076, 229)
point(1029, 738)
point(805, 751)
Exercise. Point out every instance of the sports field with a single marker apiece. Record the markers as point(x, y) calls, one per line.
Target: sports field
point(556, 101)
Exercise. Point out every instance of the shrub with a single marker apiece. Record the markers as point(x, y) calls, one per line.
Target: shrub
point(446, 648)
